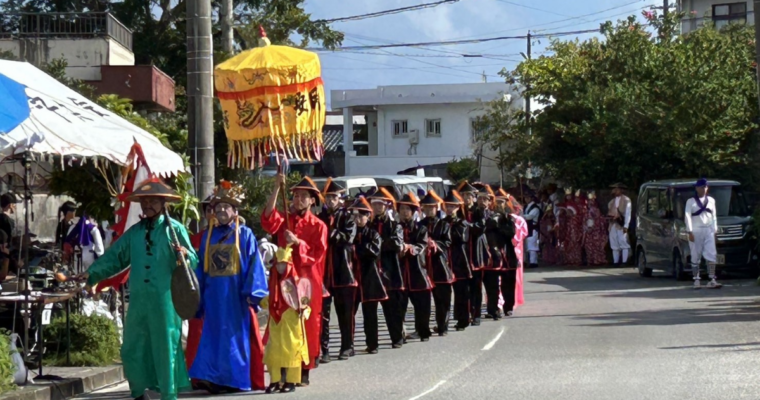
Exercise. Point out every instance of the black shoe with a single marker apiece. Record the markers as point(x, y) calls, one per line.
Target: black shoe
point(352, 352)
point(344, 355)
point(413, 336)
point(475, 322)
point(489, 316)
point(290, 387)
point(396, 345)
point(273, 387)
point(509, 313)
point(371, 351)
point(533, 266)
point(425, 339)
point(324, 358)
point(459, 328)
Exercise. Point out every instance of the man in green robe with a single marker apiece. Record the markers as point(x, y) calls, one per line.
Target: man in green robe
point(152, 352)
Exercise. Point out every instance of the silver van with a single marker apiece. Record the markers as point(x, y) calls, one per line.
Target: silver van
point(662, 242)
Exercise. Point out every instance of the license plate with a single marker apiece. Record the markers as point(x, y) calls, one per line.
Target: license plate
point(720, 259)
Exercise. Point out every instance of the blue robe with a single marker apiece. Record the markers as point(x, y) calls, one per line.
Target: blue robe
point(224, 352)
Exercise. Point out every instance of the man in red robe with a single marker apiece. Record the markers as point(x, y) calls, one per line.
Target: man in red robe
point(307, 236)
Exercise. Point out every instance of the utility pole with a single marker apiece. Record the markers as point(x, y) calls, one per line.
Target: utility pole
point(200, 100)
point(527, 97)
point(756, 11)
point(225, 15)
point(665, 8)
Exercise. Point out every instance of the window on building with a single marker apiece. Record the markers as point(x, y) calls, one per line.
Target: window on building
point(733, 13)
point(433, 127)
point(476, 131)
point(400, 128)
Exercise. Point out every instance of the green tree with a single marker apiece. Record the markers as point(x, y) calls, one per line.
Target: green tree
point(645, 103)
point(463, 169)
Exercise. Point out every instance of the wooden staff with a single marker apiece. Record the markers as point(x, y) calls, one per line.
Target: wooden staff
point(281, 170)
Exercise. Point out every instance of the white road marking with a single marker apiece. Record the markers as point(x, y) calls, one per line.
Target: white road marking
point(427, 392)
point(492, 343)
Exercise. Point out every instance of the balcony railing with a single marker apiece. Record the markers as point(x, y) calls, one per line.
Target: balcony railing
point(64, 25)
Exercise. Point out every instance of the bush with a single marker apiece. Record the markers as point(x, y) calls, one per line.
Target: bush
point(6, 363)
point(94, 341)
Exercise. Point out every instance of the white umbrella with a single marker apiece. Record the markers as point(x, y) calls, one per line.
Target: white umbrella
point(62, 122)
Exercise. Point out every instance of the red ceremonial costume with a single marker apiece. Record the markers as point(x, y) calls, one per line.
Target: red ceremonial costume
point(573, 241)
point(549, 250)
point(596, 234)
point(309, 261)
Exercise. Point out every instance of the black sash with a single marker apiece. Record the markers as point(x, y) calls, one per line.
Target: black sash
point(702, 207)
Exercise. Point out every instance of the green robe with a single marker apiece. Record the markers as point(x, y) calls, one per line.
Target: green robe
point(152, 352)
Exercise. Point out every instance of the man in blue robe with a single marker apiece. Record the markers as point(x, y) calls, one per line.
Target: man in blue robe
point(233, 282)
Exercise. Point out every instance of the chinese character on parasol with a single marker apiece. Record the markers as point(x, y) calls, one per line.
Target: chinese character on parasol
point(273, 101)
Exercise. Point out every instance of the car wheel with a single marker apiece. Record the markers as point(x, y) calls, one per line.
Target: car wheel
point(678, 271)
point(641, 262)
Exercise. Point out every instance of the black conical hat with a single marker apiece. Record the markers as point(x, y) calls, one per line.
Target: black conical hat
point(410, 200)
point(465, 187)
point(332, 187)
point(452, 198)
point(430, 199)
point(154, 187)
point(306, 184)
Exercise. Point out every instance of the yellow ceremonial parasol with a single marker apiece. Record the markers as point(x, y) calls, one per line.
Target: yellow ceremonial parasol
point(274, 102)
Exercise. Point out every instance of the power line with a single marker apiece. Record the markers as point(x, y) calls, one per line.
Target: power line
point(533, 8)
point(387, 12)
point(457, 42)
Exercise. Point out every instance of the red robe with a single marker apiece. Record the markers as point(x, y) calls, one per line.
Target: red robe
point(309, 261)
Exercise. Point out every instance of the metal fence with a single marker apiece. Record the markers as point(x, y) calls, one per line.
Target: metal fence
point(64, 25)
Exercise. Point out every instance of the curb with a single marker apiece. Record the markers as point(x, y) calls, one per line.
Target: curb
point(90, 380)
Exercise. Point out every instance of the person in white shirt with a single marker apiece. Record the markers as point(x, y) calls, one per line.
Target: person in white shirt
point(702, 225)
point(532, 216)
point(619, 214)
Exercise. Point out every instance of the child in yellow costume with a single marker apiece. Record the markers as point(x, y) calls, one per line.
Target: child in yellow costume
point(288, 304)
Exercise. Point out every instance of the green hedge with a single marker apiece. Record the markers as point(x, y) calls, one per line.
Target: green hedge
point(94, 341)
point(6, 364)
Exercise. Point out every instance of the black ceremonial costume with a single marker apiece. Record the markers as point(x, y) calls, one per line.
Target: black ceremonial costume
point(394, 308)
point(419, 282)
point(367, 255)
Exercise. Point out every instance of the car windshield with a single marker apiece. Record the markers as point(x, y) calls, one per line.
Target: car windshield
point(729, 200)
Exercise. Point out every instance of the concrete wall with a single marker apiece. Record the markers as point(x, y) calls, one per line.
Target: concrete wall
point(84, 56)
point(703, 12)
point(455, 140)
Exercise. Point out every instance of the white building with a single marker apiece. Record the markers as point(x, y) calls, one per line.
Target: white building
point(720, 12)
point(414, 125)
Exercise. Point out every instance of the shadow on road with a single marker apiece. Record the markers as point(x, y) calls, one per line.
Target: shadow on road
point(714, 346)
point(711, 313)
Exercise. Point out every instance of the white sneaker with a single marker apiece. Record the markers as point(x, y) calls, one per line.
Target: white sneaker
point(696, 284)
point(714, 284)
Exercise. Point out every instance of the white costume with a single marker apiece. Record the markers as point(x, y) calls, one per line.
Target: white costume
point(619, 207)
point(94, 250)
point(703, 224)
point(532, 215)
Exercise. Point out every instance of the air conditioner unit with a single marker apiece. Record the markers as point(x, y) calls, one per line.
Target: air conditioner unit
point(414, 136)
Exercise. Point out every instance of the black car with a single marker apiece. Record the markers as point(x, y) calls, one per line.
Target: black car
point(662, 242)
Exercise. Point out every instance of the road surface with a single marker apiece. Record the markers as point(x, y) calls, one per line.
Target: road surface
point(583, 334)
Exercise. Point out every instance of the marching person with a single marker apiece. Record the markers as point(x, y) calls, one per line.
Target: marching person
point(306, 235)
point(233, 282)
point(619, 215)
point(512, 280)
point(413, 260)
point(492, 273)
point(459, 257)
point(481, 257)
point(700, 216)
point(392, 236)
point(367, 245)
point(151, 353)
point(476, 256)
point(286, 349)
point(532, 216)
point(438, 259)
point(340, 280)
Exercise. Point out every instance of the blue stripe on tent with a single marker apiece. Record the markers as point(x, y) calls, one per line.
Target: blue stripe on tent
point(14, 105)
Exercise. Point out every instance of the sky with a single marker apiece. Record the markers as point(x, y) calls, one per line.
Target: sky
point(465, 19)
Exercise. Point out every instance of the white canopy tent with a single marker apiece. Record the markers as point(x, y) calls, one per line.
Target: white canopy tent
point(63, 122)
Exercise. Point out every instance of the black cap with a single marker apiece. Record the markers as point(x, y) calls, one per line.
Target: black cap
point(8, 199)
